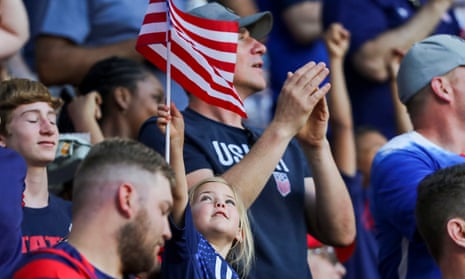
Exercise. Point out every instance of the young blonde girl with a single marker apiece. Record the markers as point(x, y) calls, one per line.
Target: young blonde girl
point(210, 227)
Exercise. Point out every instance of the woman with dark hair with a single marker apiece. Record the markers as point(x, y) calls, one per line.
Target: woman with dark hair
point(114, 98)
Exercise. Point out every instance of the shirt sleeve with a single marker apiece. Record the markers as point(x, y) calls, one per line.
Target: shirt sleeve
point(184, 241)
point(47, 268)
point(12, 175)
point(179, 256)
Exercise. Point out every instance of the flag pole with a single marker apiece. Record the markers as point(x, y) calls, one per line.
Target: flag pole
point(168, 84)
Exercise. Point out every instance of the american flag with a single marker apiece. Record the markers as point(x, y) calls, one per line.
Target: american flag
point(201, 53)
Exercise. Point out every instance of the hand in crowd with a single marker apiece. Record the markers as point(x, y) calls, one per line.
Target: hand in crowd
point(85, 107)
point(313, 133)
point(14, 30)
point(84, 111)
point(301, 98)
point(171, 115)
point(337, 40)
point(322, 268)
point(396, 57)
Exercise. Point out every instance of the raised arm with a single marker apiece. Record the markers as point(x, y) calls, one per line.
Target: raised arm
point(373, 58)
point(14, 29)
point(299, 96)
point(403, 122)
point(337, 40)
point(84, 111)
point(174, 118)
point(60, 61)
point(329, 210)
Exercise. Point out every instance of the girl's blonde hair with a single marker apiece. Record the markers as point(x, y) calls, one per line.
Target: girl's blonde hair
point(241, 254)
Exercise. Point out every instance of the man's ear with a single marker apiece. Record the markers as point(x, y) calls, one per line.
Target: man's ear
point(122, 97)
point(442, 88)
point(125, 200)
point(456, 231)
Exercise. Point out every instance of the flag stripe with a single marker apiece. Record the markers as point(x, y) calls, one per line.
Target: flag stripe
point(148, 38)
point(156, 12)
point(157, 6)
point(156, 18)
point(148, 27)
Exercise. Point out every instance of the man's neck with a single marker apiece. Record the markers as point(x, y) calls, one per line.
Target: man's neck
point(443, 127)
point(452, 141)
point(36, 192)
point(453, 268)
point(215, 113)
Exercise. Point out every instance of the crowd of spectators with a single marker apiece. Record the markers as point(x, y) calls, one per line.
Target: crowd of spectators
point(352, 103)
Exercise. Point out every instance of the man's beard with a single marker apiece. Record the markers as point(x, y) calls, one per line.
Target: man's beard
point(136, 253)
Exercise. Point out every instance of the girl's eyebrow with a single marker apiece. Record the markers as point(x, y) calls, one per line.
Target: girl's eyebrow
point(209, 192)
point(205, 192)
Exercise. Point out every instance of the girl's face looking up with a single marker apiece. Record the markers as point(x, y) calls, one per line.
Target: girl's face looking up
point(215, 212)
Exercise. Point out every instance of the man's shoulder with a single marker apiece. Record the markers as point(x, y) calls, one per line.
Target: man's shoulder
point(57, 262)
point(412, 146)
point(403, 159)
point(11, 163)
point(402, 145)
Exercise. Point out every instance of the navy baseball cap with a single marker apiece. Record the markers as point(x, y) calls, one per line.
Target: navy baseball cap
point(259, 24)
point(426, 59)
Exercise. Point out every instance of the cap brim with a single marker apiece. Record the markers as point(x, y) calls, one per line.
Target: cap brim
point(259, 24)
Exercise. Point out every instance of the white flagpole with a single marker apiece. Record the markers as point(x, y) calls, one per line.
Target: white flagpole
point(168, 83)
